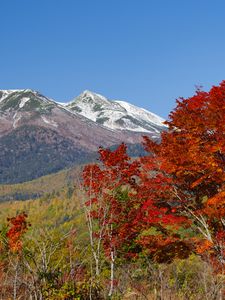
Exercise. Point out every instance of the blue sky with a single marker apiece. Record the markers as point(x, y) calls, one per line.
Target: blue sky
point(147, 52)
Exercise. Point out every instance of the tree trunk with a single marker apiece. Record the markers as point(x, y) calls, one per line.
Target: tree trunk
point(112, 274)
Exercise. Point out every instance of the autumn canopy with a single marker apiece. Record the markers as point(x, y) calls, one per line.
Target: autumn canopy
point(157, 203)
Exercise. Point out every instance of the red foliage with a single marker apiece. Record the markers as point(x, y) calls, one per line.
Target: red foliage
point(110, 187)
point(17, 227)
point(179, 184)
point(192, 155)
point(128, 197)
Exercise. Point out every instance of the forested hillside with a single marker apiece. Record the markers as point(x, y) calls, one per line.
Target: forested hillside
point(58, 226)
point(45, 185)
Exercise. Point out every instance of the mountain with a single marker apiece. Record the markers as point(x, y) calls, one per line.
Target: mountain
point(26, 107)
point(116, 115)
point(39, 136)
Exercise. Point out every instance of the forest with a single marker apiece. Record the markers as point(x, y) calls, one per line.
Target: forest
point(150, 227)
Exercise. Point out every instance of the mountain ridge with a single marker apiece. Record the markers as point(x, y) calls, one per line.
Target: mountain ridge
point(115, 114)
point(39, 136)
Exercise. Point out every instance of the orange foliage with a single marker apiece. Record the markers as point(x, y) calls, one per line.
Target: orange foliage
point(178, 185)
point(192, 155)
point(17, 227)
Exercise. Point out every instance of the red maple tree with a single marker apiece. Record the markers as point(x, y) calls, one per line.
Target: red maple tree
point(147, 204)
point(17, 226)
point(192, 155)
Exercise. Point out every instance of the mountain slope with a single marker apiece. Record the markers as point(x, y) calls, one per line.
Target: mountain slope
point(27, 107)
point(30, 152)
point(116, 115)
point(48, 184)
point(39, 136)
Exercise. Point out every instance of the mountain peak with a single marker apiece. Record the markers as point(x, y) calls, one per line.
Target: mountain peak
point(35, 130)
point(115, 115)
point(26, 99)
point(91, 97)
point(88, 93)
point(13, 91)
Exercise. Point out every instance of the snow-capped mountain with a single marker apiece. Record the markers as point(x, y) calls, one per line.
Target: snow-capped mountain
point(27, 107)
point(39, 136)
point(116, 115)
point(17, 105)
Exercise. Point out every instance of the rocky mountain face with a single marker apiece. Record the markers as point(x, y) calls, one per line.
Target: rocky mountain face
point(39, 136)
point(116, 115)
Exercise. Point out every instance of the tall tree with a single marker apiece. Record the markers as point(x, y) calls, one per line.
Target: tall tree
point(192, 155)
point(108, 186)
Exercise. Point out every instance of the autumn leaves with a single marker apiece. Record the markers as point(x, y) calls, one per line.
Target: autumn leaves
point(159, 202)
point(166, 205)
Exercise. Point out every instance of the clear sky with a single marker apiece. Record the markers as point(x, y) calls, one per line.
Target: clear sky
point(147, 52)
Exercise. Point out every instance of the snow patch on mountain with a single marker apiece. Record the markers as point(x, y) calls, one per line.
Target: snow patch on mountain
point(61, 103)
point(16, 119)
point(23, 101)
point(116, 115)
point(50, 122)
point(5, 93)
point(141, 113)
